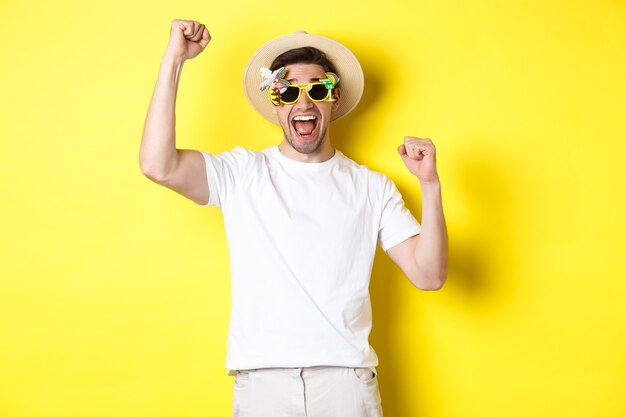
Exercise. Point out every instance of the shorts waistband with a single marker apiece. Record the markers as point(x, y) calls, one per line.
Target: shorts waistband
point(300, 370)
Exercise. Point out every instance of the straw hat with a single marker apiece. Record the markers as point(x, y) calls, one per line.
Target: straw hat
point(346, 64)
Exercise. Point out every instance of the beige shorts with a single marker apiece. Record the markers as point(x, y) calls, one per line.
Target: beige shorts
point(318, 391)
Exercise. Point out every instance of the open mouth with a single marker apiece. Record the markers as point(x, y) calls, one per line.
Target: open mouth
point(305, 125)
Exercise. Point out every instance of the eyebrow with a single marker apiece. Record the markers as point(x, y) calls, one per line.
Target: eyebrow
point(291, 80)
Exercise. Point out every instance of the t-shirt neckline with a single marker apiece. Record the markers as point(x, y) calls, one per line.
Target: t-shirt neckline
point(304, 165)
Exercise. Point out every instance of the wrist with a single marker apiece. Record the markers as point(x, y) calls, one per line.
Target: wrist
point(172, 59)
point(432, 184)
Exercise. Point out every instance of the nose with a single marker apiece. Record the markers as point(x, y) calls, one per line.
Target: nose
point(304, 101)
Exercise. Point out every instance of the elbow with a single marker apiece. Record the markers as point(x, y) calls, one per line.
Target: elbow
point(150, 172)
point(434, 285)
point(430, 282)
point(158, 168)
point(153, 175)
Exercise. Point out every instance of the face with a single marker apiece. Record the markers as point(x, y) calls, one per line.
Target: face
point(305, 122)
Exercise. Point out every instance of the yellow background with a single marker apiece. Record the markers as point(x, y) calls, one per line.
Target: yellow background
point(115, 292)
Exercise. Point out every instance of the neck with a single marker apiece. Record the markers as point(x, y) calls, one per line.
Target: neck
point(323, 153)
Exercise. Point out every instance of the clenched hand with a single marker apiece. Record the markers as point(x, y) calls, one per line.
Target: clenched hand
point(187, 39)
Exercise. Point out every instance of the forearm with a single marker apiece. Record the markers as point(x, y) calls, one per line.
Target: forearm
point(431, 251)
point(157, 154)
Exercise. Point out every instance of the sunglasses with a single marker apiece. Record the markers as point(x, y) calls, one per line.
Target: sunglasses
point(317, 92)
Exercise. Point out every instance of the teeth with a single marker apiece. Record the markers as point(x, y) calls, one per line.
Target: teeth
point(304, 118)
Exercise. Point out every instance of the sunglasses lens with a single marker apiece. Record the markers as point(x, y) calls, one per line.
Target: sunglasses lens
point(290, 95)
point(318, 92)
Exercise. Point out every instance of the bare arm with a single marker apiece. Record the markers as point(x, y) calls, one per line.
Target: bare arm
point(424, 258)
point(182, 170)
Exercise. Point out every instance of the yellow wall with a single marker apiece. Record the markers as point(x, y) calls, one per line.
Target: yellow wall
point(114, 291)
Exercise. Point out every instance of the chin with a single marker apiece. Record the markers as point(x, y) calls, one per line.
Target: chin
point(306, 146)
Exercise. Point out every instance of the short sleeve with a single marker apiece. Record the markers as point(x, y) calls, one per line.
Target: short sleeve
point(224, 171)
point(396, 223)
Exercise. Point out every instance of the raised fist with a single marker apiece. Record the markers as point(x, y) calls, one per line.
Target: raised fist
point(419, 156)
point(187, 38)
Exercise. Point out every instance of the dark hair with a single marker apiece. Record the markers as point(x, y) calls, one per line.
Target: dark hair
point(303, 55)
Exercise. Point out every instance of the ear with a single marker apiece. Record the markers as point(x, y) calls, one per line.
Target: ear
point(337, 97)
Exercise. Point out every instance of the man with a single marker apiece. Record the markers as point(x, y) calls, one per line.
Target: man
point(302, 222)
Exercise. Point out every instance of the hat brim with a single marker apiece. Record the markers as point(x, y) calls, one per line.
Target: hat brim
point(348, 68)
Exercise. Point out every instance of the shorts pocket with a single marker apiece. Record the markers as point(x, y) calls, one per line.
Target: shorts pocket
point(367, 382)
point(242, 378)
point(364, 374)
point(241, 393)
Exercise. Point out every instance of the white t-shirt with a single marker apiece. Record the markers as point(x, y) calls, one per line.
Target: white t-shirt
point(302, 238)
